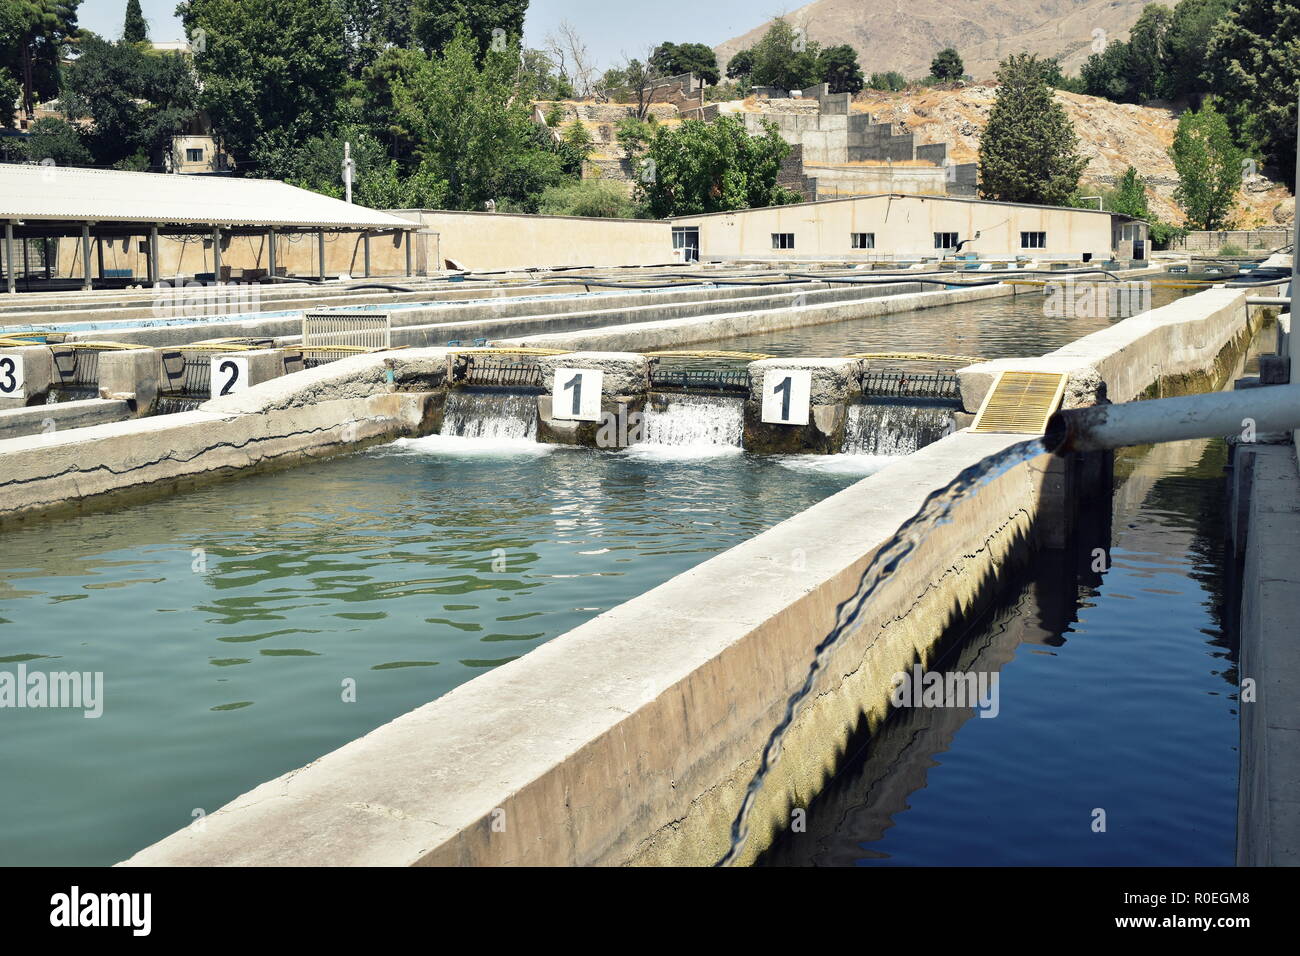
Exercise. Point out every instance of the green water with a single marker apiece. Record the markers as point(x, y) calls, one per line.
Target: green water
point(228, 621)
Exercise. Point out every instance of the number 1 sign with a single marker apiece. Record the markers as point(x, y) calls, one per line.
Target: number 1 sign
point(786, 396)
point(576, 394)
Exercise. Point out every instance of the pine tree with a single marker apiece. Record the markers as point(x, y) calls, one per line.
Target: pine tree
point(134, 30)
point(1029, 150)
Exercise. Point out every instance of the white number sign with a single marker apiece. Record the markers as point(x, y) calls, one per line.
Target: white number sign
point(11, 376)
point(576, 394)
point(229, 375)
point(786, 396)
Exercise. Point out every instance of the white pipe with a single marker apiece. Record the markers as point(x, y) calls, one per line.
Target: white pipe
point(1249, 412)
point(1268, 300)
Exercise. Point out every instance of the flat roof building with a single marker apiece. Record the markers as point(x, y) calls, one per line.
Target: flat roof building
point(895, 225)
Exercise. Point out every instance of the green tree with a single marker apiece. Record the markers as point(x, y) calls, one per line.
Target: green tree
point(742, 64)
point(1146, 53)
point(372, 26)
point(1105, 74)
point(598, 198)
point(1252, 59)
point(838, 66)
point(267, 65)
point(947, 65)
point(674, 59)
point(1130, 196)
point(31, 34)
point(378, 181)
point(494, 24)
point(135, 98)
point(1183, 67)
point(470, 118)
point(699, 167)
point(1209, 168)
point(58, 140)
point(1029, 150)
point(892, 80)
point(134, 29)
point(785, 58)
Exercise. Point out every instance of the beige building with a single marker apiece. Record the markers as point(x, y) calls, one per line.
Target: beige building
point(890, 226)
point(484, 241)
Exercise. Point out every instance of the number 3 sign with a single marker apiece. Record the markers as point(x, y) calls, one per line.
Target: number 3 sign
point(786, 396)
point(576, 394)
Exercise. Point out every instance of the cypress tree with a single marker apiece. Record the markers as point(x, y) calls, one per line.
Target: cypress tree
point(134, 30)
point(1029, 150)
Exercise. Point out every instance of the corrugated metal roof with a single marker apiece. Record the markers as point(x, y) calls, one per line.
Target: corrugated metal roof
point(32, 192)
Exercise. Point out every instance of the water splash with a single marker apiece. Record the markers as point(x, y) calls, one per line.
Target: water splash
point(688, 420)
point(936, 510)
point(492, 415)
point(893, 428)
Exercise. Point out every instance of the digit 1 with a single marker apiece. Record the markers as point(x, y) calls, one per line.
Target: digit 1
point(784, 390)
point(575, 383)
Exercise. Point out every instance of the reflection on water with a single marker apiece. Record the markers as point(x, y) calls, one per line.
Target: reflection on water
point(1117, 693)
point(227, 620)
point(991, 328)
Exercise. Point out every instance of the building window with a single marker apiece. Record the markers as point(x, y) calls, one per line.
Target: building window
point(1033, 240)
point(194, 155)
point(945, 240)
point(864, 240)
point(783, 240)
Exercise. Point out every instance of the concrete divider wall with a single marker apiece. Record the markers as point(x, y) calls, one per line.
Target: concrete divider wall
point(329, 410)
point(1182, 338)
point(674, 333)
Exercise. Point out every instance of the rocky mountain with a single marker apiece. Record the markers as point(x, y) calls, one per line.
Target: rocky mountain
point(904, 35)
point(1112, 135)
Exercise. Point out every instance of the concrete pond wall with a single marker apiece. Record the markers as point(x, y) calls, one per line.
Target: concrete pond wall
point(631, 738)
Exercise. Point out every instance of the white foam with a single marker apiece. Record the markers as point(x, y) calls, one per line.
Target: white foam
point(466, 447)
point(653, 451)
point(837, 464)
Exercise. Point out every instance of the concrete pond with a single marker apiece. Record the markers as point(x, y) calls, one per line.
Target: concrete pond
point(485, 631)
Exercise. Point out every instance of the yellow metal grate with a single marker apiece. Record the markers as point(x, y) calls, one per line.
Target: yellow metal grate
point(1021, 402)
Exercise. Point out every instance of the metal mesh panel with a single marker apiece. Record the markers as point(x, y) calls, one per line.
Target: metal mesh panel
point(370, 330)
point(895, 383)
point(700, 379)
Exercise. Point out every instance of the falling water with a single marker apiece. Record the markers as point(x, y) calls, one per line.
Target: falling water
point(491, 415)
point(58, 394)
point(894, 428)
point(693, 420)
point(936, 510)
point(171, 404)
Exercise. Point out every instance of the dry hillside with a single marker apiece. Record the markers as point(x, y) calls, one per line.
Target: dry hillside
point(904, 35)
point(1112, 135)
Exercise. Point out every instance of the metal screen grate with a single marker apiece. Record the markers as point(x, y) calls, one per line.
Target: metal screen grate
point(369, 330)
point(700, 379)
point(895, 383)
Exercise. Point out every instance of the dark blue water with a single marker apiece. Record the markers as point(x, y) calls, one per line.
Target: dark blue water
point(1117, 696)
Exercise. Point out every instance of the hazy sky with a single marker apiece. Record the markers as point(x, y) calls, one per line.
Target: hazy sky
point(611, 28)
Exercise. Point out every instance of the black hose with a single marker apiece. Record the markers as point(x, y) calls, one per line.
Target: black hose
point(380, 285)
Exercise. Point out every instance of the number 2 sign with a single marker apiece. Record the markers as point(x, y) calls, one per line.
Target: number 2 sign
point(229, 375)
point(576, 394)
point(786, 396)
